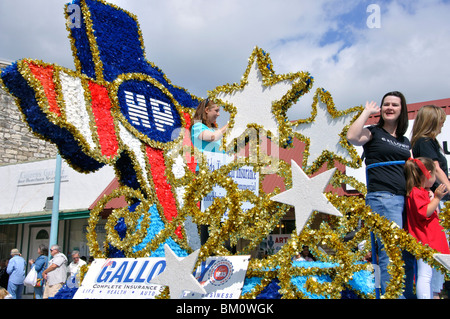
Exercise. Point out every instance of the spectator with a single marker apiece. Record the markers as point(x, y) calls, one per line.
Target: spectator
point(16, 272)
point(40, 264)
point(56, 273)
point(75, 265)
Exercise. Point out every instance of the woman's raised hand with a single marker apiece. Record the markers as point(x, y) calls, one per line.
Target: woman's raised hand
point(372, 107)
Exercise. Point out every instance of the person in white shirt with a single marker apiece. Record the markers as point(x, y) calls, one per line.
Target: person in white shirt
point(74, 267)
point(56, 273)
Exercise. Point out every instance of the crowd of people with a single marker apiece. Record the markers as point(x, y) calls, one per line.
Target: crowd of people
point(51, 274)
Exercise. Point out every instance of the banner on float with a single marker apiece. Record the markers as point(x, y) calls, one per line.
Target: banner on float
point(244, 177)
point(129, 278)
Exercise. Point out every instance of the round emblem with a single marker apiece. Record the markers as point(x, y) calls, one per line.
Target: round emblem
point(149, 110)
point(221, 272)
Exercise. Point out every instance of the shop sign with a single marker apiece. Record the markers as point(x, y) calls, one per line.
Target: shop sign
point(273, 243)
point(40, 176)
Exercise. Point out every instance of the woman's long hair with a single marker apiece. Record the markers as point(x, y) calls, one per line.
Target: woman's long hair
point(200, 113)
point(402, 124)
point(427, 123)
point(414, 174)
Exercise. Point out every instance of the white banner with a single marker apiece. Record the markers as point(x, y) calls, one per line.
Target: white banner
point(244, 177)
point(128, 278)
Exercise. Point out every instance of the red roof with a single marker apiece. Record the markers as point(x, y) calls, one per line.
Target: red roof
point(113, 203)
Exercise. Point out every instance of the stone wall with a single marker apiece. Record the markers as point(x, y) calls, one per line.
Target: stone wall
point(17, 143)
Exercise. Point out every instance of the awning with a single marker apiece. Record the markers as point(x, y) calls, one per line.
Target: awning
point(39, 217)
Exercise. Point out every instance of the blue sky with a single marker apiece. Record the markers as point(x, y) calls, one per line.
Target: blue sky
point(201, 44)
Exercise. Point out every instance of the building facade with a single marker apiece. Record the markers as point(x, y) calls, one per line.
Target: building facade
point(17, 143)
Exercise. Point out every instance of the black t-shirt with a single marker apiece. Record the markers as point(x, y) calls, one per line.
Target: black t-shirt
point(383, 147)
point(428, 147)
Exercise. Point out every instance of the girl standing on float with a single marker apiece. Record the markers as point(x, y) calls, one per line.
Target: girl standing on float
point(423, 221)
point(206, 137)
point(427, 126)
point(386, 189)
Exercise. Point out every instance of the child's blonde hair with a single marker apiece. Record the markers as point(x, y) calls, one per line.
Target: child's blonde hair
point(414, 174)
point(3, 293)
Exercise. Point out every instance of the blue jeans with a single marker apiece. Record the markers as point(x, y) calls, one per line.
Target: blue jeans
point(15, 290)
point(38, 292)
point(393, 208)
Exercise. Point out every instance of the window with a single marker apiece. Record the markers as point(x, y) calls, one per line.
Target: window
point(42, 234)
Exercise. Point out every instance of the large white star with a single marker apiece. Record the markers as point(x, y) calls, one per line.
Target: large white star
point(324, 134)
point(306, 195)
point(261, 94)
point(254, 103)
point(178, 274)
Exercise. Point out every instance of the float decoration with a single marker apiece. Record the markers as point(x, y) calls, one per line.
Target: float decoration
point(178, 274)
point(260, 100)
point(326, 145)
point(306, 195)
point(119, 109)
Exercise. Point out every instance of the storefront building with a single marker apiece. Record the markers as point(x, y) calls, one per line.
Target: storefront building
point(26, 195)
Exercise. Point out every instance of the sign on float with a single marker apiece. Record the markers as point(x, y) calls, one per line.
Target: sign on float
point(129, 278)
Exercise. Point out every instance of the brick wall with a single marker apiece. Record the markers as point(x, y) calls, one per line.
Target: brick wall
point(17, 143)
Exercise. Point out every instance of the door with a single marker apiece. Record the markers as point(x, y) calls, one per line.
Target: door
point(38, 235)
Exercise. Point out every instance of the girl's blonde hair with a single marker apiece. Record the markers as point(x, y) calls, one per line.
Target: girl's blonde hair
point(427, 123)
point(414, 174)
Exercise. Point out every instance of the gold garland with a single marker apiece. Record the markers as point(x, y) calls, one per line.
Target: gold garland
point(327, 156)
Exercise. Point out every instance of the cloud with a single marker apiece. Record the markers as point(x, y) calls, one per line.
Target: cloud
point(407, 53)
point(203, 44)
